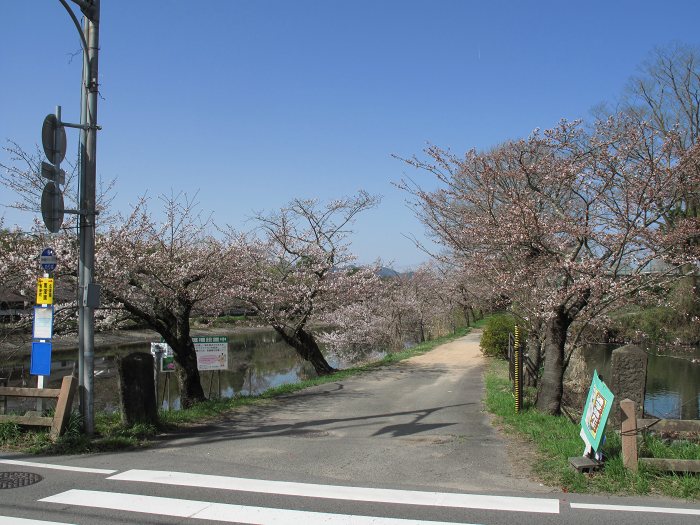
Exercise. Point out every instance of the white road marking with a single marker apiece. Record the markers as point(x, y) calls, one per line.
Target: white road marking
point(218, 511)
point(57, 467)
point(634, 508)
point(9, 520)
point(403, 497)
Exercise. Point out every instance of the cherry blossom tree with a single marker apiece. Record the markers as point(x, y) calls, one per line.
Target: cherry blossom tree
point(665, 94)
point(160, 271)
point(155, 271)
point(19, 270)
point(22, 176)
point(465, 290)
point(362, 326)
point(426, 302)
point(16, 252)
point(296, 267)
point(403, 308)
point(378, 321)
point(565, 223)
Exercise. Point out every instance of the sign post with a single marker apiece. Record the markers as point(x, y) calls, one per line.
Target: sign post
point(595, 415)
point(47, 259)
point(593, 420)
point(42, 328)
point(518, 371)
point(53, 139)
point(212, 353)
point(43, 322)
point(41, 360)
point(44, 291)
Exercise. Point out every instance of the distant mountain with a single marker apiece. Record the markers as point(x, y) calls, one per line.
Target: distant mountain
point(387, 272)
point(383, 272)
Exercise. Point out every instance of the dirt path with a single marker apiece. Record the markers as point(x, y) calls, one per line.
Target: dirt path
point(462, 353)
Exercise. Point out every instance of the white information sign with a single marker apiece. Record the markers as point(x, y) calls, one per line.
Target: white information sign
point(212, 353)
point(43, 322)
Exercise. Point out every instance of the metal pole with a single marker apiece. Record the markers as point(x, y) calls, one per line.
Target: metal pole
point(81, 175)
point(157, 366)
point(518, 371)
point(87, 217)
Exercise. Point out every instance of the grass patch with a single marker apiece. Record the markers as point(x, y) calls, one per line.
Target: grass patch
point(555, 439)
point(111, 435)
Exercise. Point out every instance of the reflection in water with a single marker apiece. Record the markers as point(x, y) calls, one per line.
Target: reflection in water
point(257, 361)
point(673, 379)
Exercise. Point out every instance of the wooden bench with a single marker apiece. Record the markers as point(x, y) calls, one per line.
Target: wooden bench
point(64, 401)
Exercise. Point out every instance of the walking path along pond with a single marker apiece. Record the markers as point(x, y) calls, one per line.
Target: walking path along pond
point(258, 360)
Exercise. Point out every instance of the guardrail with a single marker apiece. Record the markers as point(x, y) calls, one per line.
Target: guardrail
point(631, 426)
point(64, 401)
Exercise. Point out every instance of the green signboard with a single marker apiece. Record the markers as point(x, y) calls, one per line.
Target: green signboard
point(595, 412)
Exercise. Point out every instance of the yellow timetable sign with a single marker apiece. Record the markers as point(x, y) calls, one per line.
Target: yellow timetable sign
point(44, 291)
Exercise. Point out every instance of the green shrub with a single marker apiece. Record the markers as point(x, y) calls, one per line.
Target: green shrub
point(9, 432)
point(494, 341)
point(652, 324)
point(676, 321)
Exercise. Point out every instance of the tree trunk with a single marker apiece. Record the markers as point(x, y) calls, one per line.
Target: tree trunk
point(552, 381)
point(191, 391)
point(307, 348)
point(173, 324)
point(465, 311)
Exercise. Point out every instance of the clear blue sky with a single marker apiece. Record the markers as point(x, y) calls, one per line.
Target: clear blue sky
point(256, 102)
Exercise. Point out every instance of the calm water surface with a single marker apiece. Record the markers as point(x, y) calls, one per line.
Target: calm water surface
point(256, 361)
point(673, 379)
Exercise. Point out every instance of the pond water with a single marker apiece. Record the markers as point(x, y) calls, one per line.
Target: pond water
point(257, 360)
point(673, 379)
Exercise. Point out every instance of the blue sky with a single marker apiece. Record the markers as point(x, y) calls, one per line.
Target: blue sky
point(253, 103)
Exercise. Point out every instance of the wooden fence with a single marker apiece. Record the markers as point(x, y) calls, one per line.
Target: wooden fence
point(64, 401)
point(631, 426)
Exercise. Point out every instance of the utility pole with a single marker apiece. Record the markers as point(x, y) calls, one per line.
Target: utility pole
point(90, 295)
point(88, 292)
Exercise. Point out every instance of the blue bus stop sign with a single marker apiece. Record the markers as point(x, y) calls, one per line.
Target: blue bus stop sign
point(41, 359)
point(48, 259)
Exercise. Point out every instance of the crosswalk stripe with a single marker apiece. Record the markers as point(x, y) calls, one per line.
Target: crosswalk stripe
point(57, 467)
point(225, 512)
point(404, 497)
point(9, 520)
point(635, 508)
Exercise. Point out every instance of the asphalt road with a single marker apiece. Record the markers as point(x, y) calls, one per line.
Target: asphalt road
point(417, 424)
point(409, 443)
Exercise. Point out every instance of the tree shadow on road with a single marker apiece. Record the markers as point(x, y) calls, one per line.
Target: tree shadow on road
point(285, 417)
